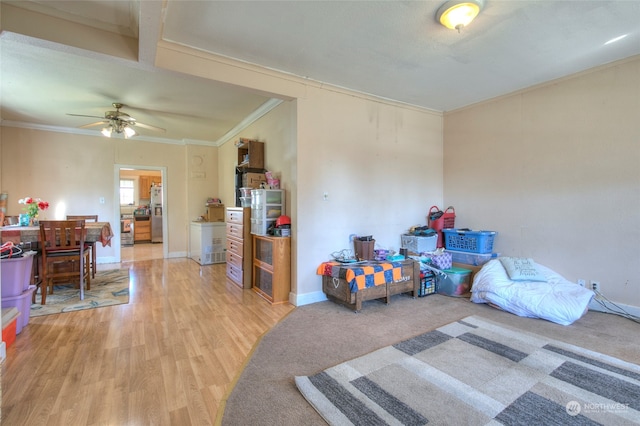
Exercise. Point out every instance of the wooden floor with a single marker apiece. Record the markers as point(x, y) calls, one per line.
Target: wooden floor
point(143, 251)
point(168, 357)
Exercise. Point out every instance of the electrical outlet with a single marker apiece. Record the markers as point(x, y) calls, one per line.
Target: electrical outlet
point(595, 286)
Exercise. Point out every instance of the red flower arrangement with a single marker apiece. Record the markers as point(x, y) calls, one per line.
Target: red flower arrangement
point(33, 205)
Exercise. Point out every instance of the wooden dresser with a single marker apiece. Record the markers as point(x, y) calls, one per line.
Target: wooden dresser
point(239, 245)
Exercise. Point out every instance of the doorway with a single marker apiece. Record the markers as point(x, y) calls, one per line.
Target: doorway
point(136, 187)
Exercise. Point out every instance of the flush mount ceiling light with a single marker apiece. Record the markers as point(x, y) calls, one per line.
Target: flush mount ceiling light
point(457, 14)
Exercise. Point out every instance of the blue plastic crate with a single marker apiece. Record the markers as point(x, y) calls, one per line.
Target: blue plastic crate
point(427, 284)
point(470, 241)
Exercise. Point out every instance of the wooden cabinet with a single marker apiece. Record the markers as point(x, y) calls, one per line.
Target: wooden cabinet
point(250, 154)
point(142, 229)
point(272, 267)
point(239, 245)
point(145, 183)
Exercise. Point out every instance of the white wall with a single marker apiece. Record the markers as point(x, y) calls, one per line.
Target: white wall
point(73, 172)
point(556, 171)
point(380, 164)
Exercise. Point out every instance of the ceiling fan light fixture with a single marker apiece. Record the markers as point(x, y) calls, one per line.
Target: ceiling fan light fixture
point(457, 14)
point(129, 132)
point(118, 122)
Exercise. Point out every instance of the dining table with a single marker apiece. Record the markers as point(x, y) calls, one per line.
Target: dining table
point(96, 232)
point(26, 236)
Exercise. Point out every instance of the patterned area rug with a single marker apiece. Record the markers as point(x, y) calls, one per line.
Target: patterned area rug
point(108, 288)
point(477, 372)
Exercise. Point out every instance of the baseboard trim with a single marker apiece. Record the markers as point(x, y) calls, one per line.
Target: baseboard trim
point(307, 298)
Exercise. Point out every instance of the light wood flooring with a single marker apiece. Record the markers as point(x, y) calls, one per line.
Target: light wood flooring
point(144, 251)
point(168, 357)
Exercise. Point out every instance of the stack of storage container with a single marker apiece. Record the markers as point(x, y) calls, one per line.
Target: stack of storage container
point(469, 251)
point(267, 205)
point(16, 291)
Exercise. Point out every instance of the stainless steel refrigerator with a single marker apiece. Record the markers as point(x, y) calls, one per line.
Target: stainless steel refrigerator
point(156, 214)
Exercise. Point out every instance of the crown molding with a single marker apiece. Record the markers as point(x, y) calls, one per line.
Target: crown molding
point(246, 122)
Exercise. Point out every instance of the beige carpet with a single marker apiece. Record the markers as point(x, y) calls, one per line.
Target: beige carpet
point(318, 336)
point(512, 377)
point(108, 288)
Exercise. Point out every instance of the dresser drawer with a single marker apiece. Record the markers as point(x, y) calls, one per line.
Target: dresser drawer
point(235, 216)
point(235, 274)
point(234, 259)
point(235, 246)
point(235, 230)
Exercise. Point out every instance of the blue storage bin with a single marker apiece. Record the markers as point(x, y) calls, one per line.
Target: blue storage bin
point(467, 240)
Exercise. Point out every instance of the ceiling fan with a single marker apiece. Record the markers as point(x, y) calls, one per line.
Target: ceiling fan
point(118, 122)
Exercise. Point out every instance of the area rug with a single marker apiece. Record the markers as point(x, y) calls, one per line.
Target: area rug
point(474, 371)
point(108, 288)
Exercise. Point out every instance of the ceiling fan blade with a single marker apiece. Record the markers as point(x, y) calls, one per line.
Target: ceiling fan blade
point(147, 126)
point(82, 115)
point(97, 123)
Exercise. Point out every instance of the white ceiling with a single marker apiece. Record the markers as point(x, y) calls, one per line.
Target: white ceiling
point(390, 49)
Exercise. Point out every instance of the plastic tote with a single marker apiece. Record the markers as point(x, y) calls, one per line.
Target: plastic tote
point(16, 274)
point(23, 304)
point(455, 282)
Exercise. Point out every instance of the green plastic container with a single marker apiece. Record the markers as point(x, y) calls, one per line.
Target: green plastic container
point(456, 283)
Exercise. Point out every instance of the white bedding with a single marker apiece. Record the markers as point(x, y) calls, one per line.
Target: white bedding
point(558, 300)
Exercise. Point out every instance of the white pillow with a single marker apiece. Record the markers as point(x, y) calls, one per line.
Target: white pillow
point(522, 269)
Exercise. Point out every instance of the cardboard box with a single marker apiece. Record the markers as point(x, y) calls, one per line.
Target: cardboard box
point(215, 213)
point(253, 180)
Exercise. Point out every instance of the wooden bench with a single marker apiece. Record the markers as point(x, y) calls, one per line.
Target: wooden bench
point(338, 289)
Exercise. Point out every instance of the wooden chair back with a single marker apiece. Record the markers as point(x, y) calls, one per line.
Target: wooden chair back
point(86, 217)
point(62, 235)
point(65, 256)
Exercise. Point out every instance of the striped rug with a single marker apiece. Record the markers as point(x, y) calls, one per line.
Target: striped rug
point(474, 371)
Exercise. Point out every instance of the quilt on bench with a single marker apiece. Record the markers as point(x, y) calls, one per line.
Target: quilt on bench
point(362, 276)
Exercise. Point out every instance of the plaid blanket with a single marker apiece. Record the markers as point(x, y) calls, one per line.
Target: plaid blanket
point(361, 276)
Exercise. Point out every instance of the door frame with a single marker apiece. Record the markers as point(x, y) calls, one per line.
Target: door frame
point(116, 207)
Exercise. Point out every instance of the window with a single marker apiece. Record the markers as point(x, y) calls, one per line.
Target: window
point(126, 192)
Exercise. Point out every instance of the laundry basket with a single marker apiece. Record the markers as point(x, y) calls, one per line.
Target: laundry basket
point(439, 220)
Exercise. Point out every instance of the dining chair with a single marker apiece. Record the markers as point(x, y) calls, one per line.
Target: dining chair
point(65, 256)
point(88, 218)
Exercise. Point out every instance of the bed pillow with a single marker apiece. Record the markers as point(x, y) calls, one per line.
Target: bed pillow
point(522, 269)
